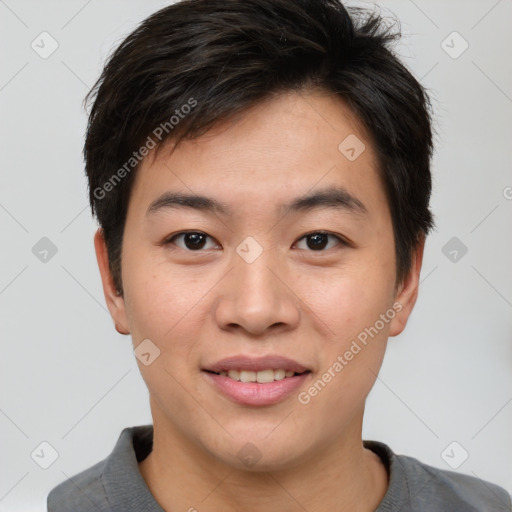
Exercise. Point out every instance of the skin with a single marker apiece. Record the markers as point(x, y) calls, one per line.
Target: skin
point(306, 304)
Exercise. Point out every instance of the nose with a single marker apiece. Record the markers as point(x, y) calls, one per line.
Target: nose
point(257, 297)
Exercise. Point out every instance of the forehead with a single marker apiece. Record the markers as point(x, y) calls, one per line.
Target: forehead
point(277, 150)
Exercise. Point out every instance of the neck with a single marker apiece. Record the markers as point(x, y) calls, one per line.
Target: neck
point(344, 477)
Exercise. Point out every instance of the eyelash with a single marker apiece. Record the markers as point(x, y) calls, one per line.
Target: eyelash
point(340, 240)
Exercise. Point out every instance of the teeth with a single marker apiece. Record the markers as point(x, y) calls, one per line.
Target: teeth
point(265, 376)
point(279, 374)
point(247, 376)
point(262, 376)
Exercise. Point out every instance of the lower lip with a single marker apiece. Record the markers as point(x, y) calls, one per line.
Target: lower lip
point(254, 393)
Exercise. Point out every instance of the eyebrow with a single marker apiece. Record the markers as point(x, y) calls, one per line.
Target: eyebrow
point(337, 198)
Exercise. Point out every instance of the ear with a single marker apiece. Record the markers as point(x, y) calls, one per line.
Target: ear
point(115, 302)
point(407, 292)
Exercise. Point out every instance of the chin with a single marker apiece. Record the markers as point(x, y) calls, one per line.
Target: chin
point(259, 454)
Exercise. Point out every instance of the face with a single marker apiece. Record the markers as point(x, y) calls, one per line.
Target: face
point(289, 265)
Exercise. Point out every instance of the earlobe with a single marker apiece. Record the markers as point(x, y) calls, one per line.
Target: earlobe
point(120, 330)
point(115, 301)
point(408, 291)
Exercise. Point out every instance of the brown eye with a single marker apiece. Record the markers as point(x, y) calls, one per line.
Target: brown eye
point(190, 240)
point(319, 240)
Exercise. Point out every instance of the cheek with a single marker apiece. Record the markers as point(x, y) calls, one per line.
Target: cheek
point(349, 300)
point(348, 308)
point(350, 358)
point(160, 301)
point(168, 310)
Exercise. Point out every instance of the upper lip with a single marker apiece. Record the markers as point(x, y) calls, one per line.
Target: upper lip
point(241, 362)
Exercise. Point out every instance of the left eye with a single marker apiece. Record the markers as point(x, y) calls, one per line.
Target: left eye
point(319, 240)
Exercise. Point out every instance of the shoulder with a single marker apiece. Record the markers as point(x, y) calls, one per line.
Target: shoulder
point(80, 493)
point(432, 488)
point(113, 483)
point(415, 487)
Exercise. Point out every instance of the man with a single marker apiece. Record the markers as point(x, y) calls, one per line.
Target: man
point(260, 170)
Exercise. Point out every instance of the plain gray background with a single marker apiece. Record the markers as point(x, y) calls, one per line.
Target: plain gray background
point(68, 379)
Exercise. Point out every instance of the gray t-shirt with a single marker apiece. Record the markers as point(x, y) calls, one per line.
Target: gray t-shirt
point(116, 484)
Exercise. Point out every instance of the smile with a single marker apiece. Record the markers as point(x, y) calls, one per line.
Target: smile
point(262, 376)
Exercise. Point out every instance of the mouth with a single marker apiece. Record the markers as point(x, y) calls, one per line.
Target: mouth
point(256, 381)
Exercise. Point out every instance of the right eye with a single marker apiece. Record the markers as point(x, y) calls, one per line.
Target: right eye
point(191, 240)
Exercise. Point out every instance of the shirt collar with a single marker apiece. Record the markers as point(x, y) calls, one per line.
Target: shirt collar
point(397, 497)
point(124, 485)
